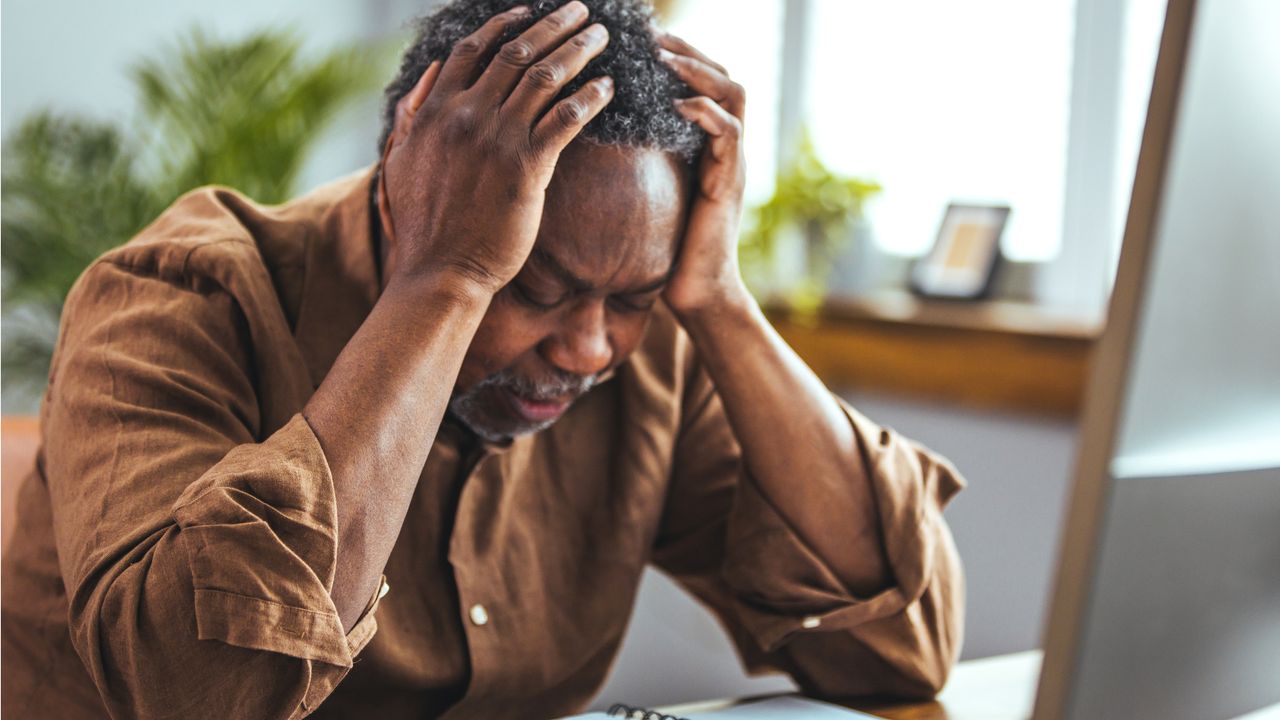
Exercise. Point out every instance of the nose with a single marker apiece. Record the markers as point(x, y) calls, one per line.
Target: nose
point(581, 344)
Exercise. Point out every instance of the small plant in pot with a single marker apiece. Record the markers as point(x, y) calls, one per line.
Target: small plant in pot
point(792, 239)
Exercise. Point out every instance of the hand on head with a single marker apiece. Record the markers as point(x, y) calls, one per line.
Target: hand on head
point(474, 145)
point(708, 273)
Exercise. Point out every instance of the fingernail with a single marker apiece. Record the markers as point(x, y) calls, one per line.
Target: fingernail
point(666, 55)
point(577, 9)
point(519, 10)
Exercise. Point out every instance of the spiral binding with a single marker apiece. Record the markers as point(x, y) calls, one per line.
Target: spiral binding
point(636, 713)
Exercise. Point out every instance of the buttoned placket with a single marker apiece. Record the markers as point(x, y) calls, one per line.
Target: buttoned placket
point(481, 616)
point(490, 628)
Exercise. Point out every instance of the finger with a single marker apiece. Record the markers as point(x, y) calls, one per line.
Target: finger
point(515, 57)
point(680, 47)
point(408, 105)
point(725, 129)
point(565, 119)
point(548, 76)
point(463, 63)
point(707, 80)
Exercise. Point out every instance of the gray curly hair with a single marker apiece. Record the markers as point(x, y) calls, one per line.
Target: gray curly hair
point(640, 114)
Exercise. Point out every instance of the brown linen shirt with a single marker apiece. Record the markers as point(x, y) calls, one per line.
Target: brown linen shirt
point(176, 539)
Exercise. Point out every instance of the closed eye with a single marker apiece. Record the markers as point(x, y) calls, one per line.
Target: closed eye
point(535, 300)
point(633, 303)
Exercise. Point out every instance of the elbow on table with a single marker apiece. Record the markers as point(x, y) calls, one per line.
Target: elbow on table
point(908, 654)
point(935, 628)
point(924, 678)
point(906, 673)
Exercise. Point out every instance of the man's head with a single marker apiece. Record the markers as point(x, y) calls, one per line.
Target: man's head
point(640, 114)
point(610, 231)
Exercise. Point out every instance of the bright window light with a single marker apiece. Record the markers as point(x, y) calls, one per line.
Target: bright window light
point(752, 53)
point(1144, 22)
point(946, 101)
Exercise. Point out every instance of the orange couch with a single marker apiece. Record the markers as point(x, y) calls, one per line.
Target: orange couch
point(19, 436)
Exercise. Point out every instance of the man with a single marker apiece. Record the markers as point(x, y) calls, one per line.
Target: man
point(404, 446)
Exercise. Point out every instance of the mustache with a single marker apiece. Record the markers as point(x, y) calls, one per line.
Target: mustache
point(558, 385)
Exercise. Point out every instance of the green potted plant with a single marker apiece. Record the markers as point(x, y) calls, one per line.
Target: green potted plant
point(242, 113)
point(813, 206)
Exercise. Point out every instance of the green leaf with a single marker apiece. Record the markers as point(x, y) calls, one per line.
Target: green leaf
point(243, 114)
point(810, 197)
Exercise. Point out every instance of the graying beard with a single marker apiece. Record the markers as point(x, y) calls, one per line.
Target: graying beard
point(466, 406)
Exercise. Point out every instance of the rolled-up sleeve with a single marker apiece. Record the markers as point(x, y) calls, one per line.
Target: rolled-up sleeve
point(261, 551)
point(197, 547)
point(782, 603)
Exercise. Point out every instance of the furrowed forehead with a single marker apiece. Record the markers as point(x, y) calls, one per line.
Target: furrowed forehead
point(644, 278)
point(612, 220)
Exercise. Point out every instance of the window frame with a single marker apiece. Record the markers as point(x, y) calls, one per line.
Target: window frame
point(1079, 276)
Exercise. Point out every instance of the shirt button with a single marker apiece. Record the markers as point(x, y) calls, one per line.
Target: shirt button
point(479, 615)
point(811, 622)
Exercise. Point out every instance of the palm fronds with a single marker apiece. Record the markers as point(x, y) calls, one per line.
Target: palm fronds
point(242, 113)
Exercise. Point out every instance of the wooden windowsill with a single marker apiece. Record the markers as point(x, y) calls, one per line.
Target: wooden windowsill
point(995, 355)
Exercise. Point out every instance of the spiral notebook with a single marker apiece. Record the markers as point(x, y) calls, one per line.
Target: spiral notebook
point(779, 708)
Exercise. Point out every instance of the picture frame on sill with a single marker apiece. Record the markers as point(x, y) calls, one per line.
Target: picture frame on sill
point(963, 261)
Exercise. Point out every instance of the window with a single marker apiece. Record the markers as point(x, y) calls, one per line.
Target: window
point(946, 101)
point(751, 50)
point(1039, 105)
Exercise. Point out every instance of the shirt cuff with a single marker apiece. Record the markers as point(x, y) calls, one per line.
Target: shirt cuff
point(785, 588)
point(260, 532)
point(362, 632)
point(367, 626)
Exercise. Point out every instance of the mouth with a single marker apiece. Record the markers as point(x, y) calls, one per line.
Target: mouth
point(537, 410)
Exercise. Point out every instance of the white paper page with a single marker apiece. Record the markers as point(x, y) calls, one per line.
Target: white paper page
point(781, 708)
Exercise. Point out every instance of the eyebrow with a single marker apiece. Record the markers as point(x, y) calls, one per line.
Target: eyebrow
point(550, 262)
point(577, 284)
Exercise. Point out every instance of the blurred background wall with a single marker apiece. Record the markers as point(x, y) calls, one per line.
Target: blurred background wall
point(73, 56)
point(919, 99)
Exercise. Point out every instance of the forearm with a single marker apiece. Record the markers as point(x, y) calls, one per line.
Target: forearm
point(376, 416)
point(797, 443)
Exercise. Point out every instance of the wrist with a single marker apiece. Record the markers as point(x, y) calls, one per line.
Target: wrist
point(729, 297)
point(441, 288)
point(721, 308)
